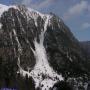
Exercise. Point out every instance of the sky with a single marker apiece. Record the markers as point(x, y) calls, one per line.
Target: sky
point(75, 13)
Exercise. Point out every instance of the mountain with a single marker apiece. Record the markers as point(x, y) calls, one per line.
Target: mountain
point(38, 51)
point(86, 46)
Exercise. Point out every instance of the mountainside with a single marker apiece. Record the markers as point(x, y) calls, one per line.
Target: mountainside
point(37, 50)
point(86, 46)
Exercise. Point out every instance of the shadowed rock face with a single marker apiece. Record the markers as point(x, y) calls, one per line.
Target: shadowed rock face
point(86, 47)
point(17, 35)
point(63, 50)
point(62, 86)
point(14, 20)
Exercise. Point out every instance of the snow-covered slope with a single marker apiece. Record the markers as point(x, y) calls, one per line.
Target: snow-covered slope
point(4, 8)
point(39, 46)
point(42, 73)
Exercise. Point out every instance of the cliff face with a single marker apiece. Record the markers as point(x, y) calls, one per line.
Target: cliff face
point(38, 46)
point(86, 46)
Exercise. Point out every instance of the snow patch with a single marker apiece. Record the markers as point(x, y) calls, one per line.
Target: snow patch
point(4, 8)
point(34, 11)
point(19, 45)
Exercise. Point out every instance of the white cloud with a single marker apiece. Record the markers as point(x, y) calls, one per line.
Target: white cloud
point(26, 2)
point(37, 5)
point(86, 25)
point(77, 9)
point(89, 8)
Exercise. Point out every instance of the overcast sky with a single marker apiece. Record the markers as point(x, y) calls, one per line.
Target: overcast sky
point(75, 13)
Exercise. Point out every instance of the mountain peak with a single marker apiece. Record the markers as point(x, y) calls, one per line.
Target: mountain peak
point(4, 8)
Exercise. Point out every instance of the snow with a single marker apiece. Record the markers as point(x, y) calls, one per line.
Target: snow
point(69, 57)
point(19, 46)
point(42, 73)
point(4, 8)
point(35, 14)
point(21, 26)
point(34, 11)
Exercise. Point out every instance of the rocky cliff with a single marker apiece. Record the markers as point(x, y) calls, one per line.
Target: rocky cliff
point(37, 49)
